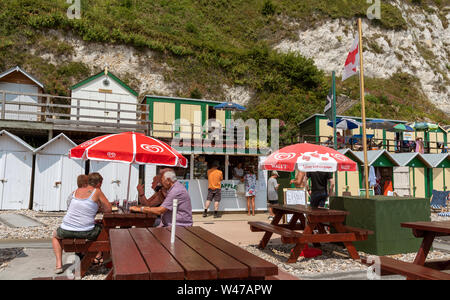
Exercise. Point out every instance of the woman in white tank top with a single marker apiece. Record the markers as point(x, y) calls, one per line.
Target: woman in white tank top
point(79, 222)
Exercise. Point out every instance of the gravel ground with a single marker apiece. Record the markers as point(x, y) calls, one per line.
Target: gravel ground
point(334, 259)
point(50, 220)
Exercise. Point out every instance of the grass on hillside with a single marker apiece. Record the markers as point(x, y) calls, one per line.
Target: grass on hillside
point(206, 44)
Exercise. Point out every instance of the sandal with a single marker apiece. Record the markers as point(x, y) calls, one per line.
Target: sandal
point(59, 270)
point(98, 260)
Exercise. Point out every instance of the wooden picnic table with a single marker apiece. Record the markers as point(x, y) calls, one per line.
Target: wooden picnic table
point(311, 219)
point(197, 254)
point(420, 269)
point(109, 221)
point(428, 231)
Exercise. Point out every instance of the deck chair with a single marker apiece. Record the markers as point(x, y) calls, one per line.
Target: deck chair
point(439, 201)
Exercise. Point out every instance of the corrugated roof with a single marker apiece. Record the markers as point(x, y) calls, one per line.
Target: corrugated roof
point(435, 159)
point(404, 159)
point(346, 151)
point(373, 155)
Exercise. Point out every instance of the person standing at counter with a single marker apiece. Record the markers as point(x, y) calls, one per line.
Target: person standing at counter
point(272, 192)
point(250, 189)
point(215, 177)
point(238, 172)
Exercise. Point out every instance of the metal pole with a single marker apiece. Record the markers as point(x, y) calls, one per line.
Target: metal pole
point(363, 109)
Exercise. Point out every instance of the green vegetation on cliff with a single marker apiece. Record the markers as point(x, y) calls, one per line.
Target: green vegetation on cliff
point(206, 43)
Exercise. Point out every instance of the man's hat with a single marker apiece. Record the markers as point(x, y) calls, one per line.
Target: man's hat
point(275, 173)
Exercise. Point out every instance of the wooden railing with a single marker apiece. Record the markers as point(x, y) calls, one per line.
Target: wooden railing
point(375, 144)
point(69, 111)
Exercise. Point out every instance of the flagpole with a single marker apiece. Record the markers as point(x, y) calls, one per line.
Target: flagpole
point(335, 128)
point(363, 109)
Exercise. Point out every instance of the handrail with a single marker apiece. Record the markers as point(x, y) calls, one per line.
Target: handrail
point(388, 144)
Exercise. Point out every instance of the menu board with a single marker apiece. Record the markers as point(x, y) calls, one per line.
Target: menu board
point(294, 196)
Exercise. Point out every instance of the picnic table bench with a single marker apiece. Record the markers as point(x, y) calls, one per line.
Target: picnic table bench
point(420, 269)
point(111, 220)
point(311, 219)
point(197, 254)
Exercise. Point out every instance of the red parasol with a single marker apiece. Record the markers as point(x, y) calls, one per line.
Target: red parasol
point(131, 148)
point(308, 158)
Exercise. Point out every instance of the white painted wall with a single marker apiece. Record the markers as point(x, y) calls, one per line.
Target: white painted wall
point(91, 91)
point(115, 179)
point(20, 99)
point(15, 179)
point(16, 163)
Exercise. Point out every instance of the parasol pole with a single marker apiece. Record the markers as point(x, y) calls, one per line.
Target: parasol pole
point(128, 188)
point(363, 109)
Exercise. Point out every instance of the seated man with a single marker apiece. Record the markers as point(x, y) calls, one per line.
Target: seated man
point(175, 190)
point(158, 197)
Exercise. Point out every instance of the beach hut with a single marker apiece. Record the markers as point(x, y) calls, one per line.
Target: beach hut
point(55, 174)
point(349, 181)
point(18, 82)
point(382, 161)
point(102, 97)
point(115, 179)
point(439, 175)
point(16, 164)
point(416, 175)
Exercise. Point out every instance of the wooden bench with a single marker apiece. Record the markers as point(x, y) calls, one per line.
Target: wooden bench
point(410, 270)
point(361, 234)
point(277, 229)
point(83, 245)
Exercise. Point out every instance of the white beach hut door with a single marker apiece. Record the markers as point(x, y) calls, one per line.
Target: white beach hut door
point(47, 183)
point(15, 175)
point(70, 171)
point(115, 179)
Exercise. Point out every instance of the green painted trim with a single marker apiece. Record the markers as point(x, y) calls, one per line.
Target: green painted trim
point(445, 185)
point(414, 182)
point(383, 161)
point(183, 100)
point(361, 170)
point(444, 164)
point(427, 191)
point(292, 176)
point(317, 129)
point(429, 182)
point(416, 163)
point(110, 75)
point(384, 139)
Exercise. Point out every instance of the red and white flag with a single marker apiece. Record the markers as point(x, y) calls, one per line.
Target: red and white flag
point(352, 62)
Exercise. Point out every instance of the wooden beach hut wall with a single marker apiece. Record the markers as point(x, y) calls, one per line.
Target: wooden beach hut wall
point(112, 96)
point(377, 159)
point(417, 173)
point(439, 175)
point(115, 179)
point(349, 181)
point(55, 174)
point(16, 165)
point(18, 82)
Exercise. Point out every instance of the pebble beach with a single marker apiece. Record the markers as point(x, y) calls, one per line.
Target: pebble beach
point(333, 260)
